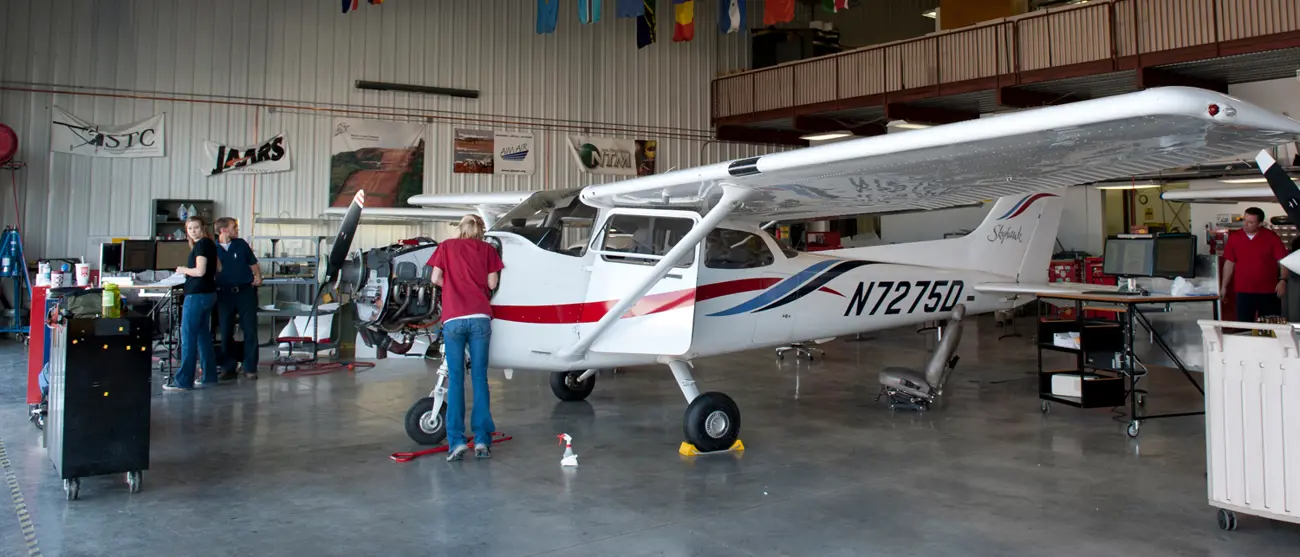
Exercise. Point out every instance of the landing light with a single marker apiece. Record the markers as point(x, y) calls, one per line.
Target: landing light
point(823, 136)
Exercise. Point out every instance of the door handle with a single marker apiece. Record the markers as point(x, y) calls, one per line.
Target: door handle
point(671, 275)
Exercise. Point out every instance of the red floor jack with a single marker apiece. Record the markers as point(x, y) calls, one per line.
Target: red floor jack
point(497, 437)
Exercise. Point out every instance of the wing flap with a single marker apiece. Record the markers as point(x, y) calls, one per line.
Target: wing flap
point(966, 162)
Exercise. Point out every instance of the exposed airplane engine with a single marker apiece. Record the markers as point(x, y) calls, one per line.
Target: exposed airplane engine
point(393, 293)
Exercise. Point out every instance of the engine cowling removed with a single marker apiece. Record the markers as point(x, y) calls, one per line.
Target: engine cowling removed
point(393, 293)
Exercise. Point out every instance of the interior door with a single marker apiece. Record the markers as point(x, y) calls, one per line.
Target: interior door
point(627, 247)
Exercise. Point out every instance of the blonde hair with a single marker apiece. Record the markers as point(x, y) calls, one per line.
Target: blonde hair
point(207, 232)
point(471, 227)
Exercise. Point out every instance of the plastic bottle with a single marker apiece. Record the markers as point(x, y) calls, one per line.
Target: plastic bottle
point(111, 303)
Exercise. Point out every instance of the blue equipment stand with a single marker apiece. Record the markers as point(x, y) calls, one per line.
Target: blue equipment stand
point(13, 265)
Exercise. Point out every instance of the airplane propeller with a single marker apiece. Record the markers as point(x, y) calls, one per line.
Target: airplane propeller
point(1288, 195)
point(343, 242)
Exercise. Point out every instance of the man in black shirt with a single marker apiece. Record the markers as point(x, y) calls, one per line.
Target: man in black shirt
point(196, 313)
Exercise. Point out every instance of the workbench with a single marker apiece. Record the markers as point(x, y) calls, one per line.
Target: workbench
point(1105, 357)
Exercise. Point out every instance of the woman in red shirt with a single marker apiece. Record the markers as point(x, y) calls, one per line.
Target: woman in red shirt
point(467, 268)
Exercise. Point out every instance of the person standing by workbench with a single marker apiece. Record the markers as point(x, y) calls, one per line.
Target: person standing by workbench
point(1251, 257)
point(237, 284)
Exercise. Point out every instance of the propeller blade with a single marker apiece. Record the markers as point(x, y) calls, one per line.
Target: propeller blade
point(343, 243)
point(1288, 195)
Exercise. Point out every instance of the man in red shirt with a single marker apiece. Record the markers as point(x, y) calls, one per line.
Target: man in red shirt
point(1251, 256)
point(467, 268)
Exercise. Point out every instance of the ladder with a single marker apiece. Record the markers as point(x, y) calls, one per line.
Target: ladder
point(13, 265)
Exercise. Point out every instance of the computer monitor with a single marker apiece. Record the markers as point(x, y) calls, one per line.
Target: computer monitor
point(137, 256)
point(172, 254)
point(110, 258)
point(1129, 257)
point(1175, 256)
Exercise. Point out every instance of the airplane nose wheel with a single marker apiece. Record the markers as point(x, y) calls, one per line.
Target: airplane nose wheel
point(423, 425)
point(712, 422)
point(567, 386)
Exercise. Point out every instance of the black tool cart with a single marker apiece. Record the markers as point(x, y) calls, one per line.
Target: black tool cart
point(100, 387)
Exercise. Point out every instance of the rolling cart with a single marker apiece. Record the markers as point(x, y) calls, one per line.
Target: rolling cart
point(100, 388)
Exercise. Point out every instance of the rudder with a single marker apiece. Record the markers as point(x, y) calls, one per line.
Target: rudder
point(1017, 237)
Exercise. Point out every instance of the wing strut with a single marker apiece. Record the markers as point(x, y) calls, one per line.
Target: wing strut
point(732, 197)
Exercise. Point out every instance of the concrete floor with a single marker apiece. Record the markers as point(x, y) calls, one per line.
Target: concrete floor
point(300, 467)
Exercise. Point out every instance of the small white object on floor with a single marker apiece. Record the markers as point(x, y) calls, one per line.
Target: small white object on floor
point(569, 458)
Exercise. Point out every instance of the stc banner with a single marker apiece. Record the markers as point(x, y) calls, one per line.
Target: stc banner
point(622, 157)
point(72, 135)
point(271, 156)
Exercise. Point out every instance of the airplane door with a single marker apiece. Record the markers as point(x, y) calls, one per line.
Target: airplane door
point(626, 248)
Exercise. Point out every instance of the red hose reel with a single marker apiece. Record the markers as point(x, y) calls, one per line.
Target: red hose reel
point(8, 144)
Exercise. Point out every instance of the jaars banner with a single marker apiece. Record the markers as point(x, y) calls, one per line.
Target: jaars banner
point(271, 155)
point(72, 135)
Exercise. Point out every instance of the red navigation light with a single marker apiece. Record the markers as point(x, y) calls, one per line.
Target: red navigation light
point(1214, 110)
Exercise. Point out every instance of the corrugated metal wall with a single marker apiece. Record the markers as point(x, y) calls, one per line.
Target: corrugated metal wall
point(306, 52)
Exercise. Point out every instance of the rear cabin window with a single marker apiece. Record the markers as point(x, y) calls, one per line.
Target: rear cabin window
point(640, 235)
point(734, 249)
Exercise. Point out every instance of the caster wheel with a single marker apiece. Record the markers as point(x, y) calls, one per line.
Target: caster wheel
point(72, 488)
point(712, 422)
point(135, 480)
point(1133, 427)
point(566, 387)
point(1227, 520)
point(423, 425)
point(1045, 406)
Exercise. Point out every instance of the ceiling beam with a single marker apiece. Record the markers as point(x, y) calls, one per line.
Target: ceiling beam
point(926, 115)
point(1154, 77)
point(867, 130)
point(817, 124)
point(1012, 97)
point(759, 135)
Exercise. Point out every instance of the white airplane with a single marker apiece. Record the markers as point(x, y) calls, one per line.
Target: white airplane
point(678, 266)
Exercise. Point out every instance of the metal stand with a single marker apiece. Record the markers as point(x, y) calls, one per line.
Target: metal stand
point(14, 266)
point(805, 349)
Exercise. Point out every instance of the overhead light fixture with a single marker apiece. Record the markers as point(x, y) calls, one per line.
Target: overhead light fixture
point(382, 86)
point(1259, 180)
point(1137, 186)
point(932, 14)
point(827, 135)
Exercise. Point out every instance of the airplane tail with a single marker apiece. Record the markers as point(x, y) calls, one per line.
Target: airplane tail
point(1015, 240)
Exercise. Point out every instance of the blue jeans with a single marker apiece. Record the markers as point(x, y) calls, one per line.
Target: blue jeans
point(196, 333)
point(457, 334)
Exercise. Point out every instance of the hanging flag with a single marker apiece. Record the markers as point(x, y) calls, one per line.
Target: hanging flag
point(732, 16)
point(376, 2)
point(548, 14)
point(684, 20)
point(834, 6)
point(349, 5)
point(630, 8)
point(778, 11)
point(646, 25)
point(589, 10)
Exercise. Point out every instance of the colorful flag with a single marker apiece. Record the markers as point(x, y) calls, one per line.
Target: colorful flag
point(349, 5)
point(778, 11)
point(630, 8)
point(646, 25)
point(376, 2)
point(835, 6)
point(589, 10)
point(731, 16)
point(548, 14)
point(684, 20)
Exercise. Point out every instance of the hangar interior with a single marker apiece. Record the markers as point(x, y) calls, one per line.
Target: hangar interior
point(959, 264)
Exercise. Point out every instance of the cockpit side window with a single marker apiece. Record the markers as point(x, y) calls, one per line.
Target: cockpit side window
point(642, 235)
point(735, 249)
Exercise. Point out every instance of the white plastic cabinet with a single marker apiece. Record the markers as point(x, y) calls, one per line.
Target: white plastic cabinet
point(1252, 420)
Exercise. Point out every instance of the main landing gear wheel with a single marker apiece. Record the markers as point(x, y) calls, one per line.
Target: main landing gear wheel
point(1227, 520)
point(423, 425)
point(712, 422)
point(566, 386)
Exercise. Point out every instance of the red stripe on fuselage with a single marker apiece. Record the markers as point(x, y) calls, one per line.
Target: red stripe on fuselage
point(591, 312)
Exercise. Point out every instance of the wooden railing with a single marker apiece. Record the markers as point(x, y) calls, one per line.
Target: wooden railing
point(1109, 35)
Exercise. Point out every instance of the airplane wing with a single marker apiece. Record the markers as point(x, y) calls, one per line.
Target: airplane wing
point(965, 162)
point(413, 213)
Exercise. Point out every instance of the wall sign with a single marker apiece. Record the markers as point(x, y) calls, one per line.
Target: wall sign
point(271, 155)
point(622, 157)
point(493, 152)
point(72, 135)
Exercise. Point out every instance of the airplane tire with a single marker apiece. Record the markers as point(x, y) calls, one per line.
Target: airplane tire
point(423, 435)
point(566, 387)
point(712, 422)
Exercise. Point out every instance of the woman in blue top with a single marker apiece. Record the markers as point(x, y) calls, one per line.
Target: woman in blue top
point(196, 314)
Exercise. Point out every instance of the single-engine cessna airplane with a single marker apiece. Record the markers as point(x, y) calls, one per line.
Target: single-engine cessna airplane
point(678, 266)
